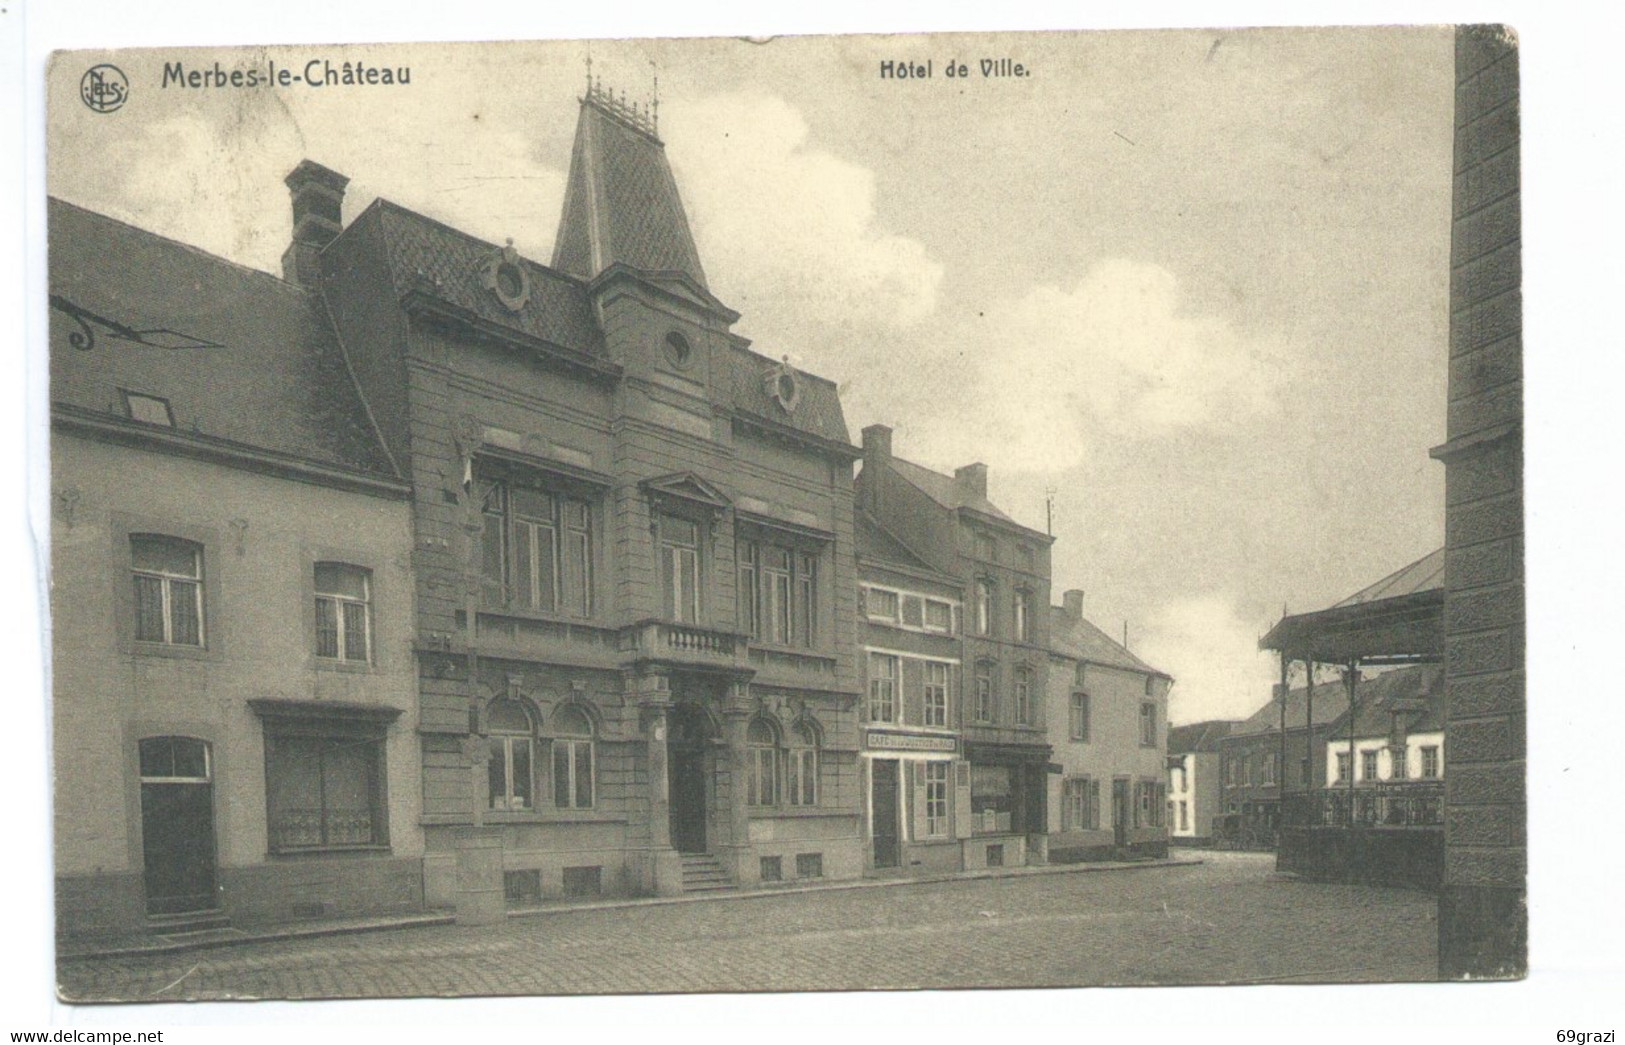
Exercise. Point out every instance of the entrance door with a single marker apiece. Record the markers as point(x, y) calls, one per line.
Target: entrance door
point(177, 825)
point(1120, 812)
point(686, 769)
point(883, 817)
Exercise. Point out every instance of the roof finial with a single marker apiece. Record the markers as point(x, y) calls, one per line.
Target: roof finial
point(655, 105)
point(589, 69)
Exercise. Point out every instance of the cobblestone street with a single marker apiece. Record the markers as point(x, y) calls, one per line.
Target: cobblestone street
point(1227, 920)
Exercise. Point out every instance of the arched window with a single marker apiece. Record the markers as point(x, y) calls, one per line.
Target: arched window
point(984, 606)
point(802, 766)
point(509, 767)
point(762, 778)
point(572, 758)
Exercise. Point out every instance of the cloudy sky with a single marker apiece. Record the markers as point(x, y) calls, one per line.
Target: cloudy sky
point(1192, 282)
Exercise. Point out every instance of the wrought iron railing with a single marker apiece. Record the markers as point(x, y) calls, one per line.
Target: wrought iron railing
point(1416, 804)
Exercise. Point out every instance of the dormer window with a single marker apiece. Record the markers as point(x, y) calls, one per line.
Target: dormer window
point(504, 275)
point(147, 409)
point(784, 387)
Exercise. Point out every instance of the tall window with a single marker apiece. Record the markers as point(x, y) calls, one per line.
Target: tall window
point(168, 589)
point(801, 767)
point(984, 607)
point(1078, 717)
point(323, 786)
point(1074, 796)
point(1268, 776)
point(762, 777)
point(778, 593)
point(936, 693)
point(1024, 618)
point(984, 692)
point(882, 687)
point(680, 568)
point(1396, 764)
point(1022, 687)
point(509, 760)
point(1342, 767)
point(1430, 762)
point(1148, 724)
point(343, 612)
point(1368, 765)
point(936, 797)
point(536, 549)
point(572, 758)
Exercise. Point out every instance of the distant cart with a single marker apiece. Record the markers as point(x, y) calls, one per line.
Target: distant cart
point(1240, 831)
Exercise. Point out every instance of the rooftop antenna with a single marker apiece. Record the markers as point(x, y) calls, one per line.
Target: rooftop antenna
point(1049, 510)
point(655, 105)
point(589, 70)
point(1125, 634)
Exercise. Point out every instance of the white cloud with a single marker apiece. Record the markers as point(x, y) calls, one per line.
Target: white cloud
point(1212, 652)
point(787, 231)
point(1116, 355)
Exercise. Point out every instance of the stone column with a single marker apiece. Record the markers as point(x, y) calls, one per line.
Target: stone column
point(736, 718)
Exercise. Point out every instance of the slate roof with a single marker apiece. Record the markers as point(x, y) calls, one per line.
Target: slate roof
point(1331, 700)
point(818, 410)
point(878, 545)
point(1425, 574)
point(944, 490)
point(1075, 637)
point(621, 202)
point(1197, 736)
point(1418, 690)
point(274, 379)
point(422, 252)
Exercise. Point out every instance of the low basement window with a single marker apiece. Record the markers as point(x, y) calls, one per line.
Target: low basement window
point(772, 869)
point(809, 865)
point(583, 881)
point(522, 886)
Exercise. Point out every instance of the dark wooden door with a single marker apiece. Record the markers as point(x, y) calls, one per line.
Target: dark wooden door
point(883, 822)
point(177, 826)
point(1120, 812)
point(687, 781)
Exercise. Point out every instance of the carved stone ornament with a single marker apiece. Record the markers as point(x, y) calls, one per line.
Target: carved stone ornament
point(783, 385)
point(504, 275)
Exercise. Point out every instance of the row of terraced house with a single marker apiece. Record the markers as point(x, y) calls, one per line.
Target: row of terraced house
point(431, 576)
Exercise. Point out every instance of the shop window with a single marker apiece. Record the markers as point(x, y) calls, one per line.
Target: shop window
point(343, 612)
point(535, 549)
point(809, 865)
point(936, 693)
point(572, 758)
point(510, 761)
point(801, 764)
point(882, 687)
point(762, 774)
point(992, 798)
point(324, 785)
point(168, 576)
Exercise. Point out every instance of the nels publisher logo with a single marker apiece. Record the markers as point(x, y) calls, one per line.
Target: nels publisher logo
point(104, 88)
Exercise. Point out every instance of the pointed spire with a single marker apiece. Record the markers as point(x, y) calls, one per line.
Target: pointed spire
point(621, 204)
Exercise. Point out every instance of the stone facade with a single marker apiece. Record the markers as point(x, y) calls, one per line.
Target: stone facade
point(1482, 916)
point(1108, 721)
point(1004, 569)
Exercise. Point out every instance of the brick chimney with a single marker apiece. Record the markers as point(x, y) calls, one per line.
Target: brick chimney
point(1073, 602)
point(972, 481)
point(876, 454)
point(318, 203)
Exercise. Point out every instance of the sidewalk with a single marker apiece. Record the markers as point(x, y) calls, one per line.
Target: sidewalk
point(147, 944)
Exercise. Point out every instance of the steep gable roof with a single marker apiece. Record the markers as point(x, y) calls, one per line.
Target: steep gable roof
point(1197, 737)
point(1077, 638)
point(256, 363)
point(817, 411)
point(621, 203)
point(1425, 574)
point(879, 545)
point(945, 491)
